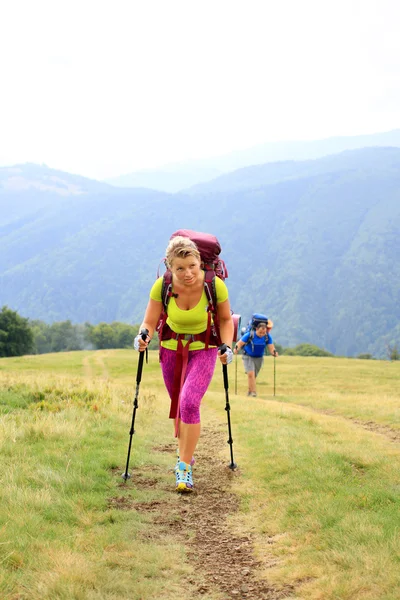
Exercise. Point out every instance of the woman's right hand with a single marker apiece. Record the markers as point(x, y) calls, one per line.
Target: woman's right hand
point(225, 354)
point(142, 340)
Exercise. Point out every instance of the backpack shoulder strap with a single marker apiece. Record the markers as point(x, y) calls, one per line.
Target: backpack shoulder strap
point(166, 293)
point(166, 288)
point(250, 340)
point(211, 294)
point(251, 336)
point(210, 290)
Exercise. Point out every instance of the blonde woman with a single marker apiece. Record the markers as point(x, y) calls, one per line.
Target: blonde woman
point(187, 356)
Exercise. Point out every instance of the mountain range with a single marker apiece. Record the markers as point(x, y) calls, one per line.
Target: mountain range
point(313, 244)
point(179, 176)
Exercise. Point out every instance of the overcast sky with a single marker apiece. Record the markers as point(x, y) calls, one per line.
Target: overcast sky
point(103, 88)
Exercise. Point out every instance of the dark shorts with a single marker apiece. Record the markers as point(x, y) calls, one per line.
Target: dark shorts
point(252, 364)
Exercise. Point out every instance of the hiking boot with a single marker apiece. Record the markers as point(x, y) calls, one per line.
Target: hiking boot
point(253, 394)
point(249, 393)
point(178, 460)
point(184, 479)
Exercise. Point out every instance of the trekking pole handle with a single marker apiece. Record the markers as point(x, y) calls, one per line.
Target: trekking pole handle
point(143, 334)
point(223, 348)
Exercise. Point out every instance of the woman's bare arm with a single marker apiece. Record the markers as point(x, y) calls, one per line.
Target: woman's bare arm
point(150, 320)
point(225, 326)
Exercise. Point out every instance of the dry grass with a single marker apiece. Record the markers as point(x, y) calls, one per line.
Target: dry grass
point(317, 490)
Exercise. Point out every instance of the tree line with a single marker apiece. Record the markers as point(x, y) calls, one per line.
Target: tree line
point(19, 336)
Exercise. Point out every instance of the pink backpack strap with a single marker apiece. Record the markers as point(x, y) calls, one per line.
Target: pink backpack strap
point(211, 294)
point(166, 288)
point(209, 288)
point(162, 262)
point(166, 293)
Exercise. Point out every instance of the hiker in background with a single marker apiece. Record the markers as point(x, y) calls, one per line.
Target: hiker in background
point(253, 352)
point(187, 317)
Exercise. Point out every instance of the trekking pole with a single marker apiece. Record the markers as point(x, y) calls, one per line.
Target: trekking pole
point(236, 375)
point(274, 371)
point(143, 333)
point(233, 465)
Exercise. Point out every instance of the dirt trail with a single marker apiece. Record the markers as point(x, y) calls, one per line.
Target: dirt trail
point(87, 369)
point(90, 362)
point(224, 562)
point(385, 430)
point(392, 434)
point(99, 360)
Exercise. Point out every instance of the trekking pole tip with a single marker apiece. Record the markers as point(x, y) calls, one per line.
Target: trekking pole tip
point(233, 466)
point(125, 476)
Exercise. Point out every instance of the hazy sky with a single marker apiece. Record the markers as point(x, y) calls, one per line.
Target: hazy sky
point(102, 88)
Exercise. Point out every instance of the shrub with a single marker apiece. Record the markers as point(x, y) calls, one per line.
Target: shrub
point(16, 337)
point(306, 350)
point(393, 352)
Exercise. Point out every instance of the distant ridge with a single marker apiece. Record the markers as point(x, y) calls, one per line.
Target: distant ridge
point(175, 177)
point(170, 178)
point(363, 159)
point(27, 176)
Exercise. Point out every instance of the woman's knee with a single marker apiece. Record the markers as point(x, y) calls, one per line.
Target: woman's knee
point(190, 416)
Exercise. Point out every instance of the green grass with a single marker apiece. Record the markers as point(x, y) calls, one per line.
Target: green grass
point(324, 489)
point(64, 443)
point(318, 480)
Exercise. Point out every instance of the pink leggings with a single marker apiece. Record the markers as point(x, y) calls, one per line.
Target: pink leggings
point(199, 372)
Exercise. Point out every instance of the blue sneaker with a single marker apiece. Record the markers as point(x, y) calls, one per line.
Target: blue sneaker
point(184, 479)
point(178, 460)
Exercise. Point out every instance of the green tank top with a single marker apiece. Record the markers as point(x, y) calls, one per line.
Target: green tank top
point(188, 321)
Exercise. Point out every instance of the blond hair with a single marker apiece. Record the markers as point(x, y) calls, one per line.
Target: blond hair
point(181, 247)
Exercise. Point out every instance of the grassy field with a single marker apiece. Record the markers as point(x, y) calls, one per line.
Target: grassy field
point(312, 512)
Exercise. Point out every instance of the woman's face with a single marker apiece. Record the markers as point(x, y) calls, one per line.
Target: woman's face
point(186, 270)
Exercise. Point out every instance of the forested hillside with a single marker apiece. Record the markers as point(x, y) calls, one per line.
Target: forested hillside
point(315, 245)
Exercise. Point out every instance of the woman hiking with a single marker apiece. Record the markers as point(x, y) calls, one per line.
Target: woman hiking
point(189, 345)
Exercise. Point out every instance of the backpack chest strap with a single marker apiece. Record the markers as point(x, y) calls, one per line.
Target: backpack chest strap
point(207, 337)
point(190, 337)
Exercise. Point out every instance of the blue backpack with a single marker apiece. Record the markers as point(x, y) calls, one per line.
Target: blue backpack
point(255, 320)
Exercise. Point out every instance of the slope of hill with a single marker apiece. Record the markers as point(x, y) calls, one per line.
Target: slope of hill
point(318, 250)
point(386, 160)
point(27, 189)
point(180, 176)
point(30, 176)
point(170, 178)
point(305, 150)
